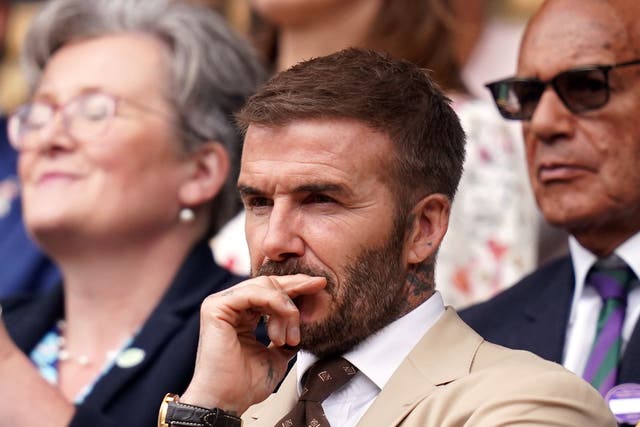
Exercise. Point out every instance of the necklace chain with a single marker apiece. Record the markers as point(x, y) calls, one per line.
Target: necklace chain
point(64, 355)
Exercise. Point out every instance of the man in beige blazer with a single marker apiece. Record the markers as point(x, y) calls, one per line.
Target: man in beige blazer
point(349, 167)
point(454, 378)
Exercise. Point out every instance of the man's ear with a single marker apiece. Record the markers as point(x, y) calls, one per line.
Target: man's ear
point(207, 174)
point(430, 221)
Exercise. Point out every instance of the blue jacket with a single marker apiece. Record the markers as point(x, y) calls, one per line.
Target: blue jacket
point(131, 396)
point(23, 267)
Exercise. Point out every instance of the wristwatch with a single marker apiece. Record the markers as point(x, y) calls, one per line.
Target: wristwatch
point(173, 414)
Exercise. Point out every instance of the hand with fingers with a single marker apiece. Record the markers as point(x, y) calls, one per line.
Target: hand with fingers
point(233, 369)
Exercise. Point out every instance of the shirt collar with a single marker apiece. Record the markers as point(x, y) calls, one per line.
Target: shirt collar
point(583, 259)
point(372, 356)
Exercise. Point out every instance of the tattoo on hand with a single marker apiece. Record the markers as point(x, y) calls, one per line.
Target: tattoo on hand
point(271, 379)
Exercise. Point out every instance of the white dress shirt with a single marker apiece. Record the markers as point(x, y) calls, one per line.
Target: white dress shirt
point(377, 358)
point(586, 304)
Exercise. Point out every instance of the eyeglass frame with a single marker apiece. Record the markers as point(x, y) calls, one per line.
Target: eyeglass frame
point(604, 69)
point(66, 119)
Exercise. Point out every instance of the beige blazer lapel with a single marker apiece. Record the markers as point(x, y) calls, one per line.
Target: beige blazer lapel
point(268, 412)
point(444, 354)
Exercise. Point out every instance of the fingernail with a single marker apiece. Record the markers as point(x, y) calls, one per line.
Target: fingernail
point(294, 335)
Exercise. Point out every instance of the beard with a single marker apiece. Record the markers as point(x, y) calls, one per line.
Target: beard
point(372, 294)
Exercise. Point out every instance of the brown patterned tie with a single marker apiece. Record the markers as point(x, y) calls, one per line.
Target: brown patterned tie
point(320, 380)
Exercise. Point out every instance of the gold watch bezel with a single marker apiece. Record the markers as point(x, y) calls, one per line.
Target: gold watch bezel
point(162, 414)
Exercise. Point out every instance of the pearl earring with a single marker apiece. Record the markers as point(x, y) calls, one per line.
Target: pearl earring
point(186, 215)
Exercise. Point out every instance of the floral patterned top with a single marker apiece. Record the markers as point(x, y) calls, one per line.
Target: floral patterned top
point(493, 228)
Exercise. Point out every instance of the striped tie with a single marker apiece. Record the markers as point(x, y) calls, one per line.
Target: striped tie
point(611, 277)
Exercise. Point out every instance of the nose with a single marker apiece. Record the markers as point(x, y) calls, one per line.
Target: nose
point(551, 120)
point(282, 239)
point(53, 136)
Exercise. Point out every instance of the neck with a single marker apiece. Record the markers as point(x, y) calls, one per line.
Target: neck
point(603, 241)
point(600, 248)
point(348, 24)
point(113, 290)
point(112, 284)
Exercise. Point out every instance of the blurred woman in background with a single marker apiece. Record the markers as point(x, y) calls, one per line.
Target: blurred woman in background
point(127, 160)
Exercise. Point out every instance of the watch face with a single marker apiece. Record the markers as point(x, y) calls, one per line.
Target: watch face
point(162, 414)
point(172, 411)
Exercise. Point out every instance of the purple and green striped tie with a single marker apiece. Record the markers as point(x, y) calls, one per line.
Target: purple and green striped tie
point(611, 278)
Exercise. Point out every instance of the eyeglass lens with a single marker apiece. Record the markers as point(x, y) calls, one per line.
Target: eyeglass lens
point(89, 115)
point(84, 117)
point(583, 90)
point(579, 90)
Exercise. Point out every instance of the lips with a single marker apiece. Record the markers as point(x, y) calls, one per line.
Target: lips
point(312, 307)
point(55, 176)
point(302, 307)
point(561, 172)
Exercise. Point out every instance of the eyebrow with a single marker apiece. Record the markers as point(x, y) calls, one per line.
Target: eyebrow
point(320, 188)
point(48, 95)
point(246, 190)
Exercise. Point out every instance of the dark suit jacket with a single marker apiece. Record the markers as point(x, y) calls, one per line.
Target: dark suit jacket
point(132, 396)
point(533, 315)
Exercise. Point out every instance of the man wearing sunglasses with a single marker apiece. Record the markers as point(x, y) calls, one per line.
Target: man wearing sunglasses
point(577, 93)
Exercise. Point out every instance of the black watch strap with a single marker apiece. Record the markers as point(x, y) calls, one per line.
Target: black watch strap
point(182, 414)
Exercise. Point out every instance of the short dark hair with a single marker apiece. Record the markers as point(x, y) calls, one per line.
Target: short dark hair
point(389, 95)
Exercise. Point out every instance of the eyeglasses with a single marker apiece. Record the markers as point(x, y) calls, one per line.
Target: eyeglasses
point(84, 117)
point(580, 89)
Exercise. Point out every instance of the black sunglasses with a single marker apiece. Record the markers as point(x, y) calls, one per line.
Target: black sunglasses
point(580, 89)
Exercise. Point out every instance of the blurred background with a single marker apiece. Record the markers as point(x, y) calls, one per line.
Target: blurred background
point(488, 45)
point(14, 19)
point(486, 40)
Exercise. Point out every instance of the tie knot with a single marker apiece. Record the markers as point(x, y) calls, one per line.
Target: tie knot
point(611, 277)
point(325, 377)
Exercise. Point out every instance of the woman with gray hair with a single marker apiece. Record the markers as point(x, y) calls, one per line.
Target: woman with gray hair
point(127, 161)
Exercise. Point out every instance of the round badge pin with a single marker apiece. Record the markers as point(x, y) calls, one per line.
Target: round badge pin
point(130, 357)
point(624, 402)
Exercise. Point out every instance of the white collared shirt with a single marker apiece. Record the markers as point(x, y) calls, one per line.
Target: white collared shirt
point(586, 304)
point(377, 358)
